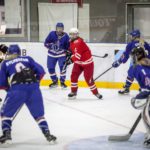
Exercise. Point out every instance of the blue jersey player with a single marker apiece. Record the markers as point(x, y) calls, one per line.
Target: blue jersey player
point(57, 43)
point(135, 42)
point(141, 72)
point(20, 77)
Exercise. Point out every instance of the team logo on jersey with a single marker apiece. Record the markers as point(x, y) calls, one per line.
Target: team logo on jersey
point(147, 81)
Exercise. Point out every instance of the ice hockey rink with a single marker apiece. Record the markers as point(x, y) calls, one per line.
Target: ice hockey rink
point(84, 123)
point(81, 124)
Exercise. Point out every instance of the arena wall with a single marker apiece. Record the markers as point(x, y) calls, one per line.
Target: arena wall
point(114, 78)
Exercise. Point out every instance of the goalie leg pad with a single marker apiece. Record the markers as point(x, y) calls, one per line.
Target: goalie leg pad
point(146, 117)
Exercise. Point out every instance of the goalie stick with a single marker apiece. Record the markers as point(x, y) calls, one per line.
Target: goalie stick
point(126, 137)
point(100, 56)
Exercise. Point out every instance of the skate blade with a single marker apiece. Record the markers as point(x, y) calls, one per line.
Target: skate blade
point(123, 93)
point(72, 98)
point(146, 146)
point(52, 142)
point(64, 88)
point(54, 87)
point(6, 144)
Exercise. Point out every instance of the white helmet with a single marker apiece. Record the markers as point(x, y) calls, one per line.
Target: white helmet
point(74, 30)
point(73, 33)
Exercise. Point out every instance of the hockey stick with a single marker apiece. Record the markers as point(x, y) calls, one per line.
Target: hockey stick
point(126, 137)
point(103, 73)
point(17, 112)
point(64, 67)
point(101, 56)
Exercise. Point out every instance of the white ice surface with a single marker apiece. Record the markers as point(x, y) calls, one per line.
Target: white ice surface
point(71, 120)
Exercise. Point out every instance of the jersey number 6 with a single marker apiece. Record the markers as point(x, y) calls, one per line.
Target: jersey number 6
point(19, 67)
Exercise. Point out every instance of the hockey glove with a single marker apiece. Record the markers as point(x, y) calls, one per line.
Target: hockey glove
point(68, 54)
point(49, 45)
point(68, 57)
point(116, 64)
point(68, 61)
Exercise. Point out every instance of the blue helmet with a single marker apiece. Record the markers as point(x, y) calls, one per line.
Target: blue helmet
point(135, 33)
point(14, 49)
point(60, 24)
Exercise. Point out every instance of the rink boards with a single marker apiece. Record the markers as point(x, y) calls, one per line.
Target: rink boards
point(112, 79)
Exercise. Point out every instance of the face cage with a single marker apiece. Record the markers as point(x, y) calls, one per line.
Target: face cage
point(73, 35)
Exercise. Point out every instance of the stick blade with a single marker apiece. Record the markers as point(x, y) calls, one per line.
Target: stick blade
point(105, 55)
point(119, 138)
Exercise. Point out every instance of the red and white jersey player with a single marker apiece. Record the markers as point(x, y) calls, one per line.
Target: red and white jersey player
point(83, 62)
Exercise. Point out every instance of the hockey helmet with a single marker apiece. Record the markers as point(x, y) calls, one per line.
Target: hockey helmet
point(135, 33)
point(14, 49)
point(138, 53)
point(60, 28)
point(60, 25)
point(73, 33)
point(3, 48)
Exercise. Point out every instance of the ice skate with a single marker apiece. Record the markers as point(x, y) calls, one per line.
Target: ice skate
point(72, 96)
point(63, 85)
point(53, 85)
point(99, 96)
point(50, 137)
point(6, 138)
point(147, 141)
point(0, 100)
point(124, 91)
